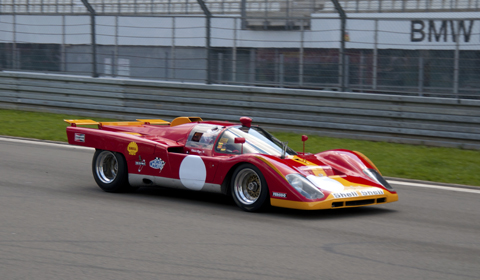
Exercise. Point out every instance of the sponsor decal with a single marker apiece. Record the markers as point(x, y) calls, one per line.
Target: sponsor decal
point(345, 194)
point(221, 144)
point(441, 31)
point(197, 151)
point(277, 194)
point(132, 148)
point(157, 163)
point(372, 192)
point(364, 192)
point(140, 163)
point(79, 137)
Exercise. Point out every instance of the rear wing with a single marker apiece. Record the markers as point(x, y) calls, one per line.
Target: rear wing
point(81, 122)
point(175, 122)
point(74, 123)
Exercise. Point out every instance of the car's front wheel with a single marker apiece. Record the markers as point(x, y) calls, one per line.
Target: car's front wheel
point(110, 171)
point(249, 188)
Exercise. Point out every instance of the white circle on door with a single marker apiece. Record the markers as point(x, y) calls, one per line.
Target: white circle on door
point(193, 172)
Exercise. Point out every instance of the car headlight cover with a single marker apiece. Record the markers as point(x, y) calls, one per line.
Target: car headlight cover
point(304, 187)
point(372, 173)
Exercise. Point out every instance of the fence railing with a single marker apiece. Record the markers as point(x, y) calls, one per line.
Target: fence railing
point(264, 7)
point(385, 55)
point(146, 7)
point(427, 54)
point(361, 6)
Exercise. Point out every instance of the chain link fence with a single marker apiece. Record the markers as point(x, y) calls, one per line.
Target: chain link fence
point(294, 44)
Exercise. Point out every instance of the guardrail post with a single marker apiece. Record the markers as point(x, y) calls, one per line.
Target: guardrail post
point(172, 55)
point(361, 70)
point(220, 68)
point(63, 65)
point(208, 16)
point(281, 69)
point(302, 39)
point(456, 64)
point(93, 34)
point(167, 56)
point(420, 74)
point(252, 66)
point(115, 50)
point(276, 67)
point(347, 73)
point(375, 57)
point(234, 51)
point(343, 22)
point(243, 11)
point(15, 56)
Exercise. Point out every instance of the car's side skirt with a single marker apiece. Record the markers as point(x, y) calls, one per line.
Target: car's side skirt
point(138, 180)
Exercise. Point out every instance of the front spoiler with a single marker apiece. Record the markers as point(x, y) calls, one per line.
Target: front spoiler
point(334, 203)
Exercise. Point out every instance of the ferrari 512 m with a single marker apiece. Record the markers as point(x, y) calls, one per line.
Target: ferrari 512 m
point(243, 160)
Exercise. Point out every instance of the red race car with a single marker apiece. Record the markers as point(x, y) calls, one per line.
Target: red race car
point(223, 157)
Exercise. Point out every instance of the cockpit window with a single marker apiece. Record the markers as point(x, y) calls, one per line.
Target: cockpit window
point(257, 140)
point(203, 136)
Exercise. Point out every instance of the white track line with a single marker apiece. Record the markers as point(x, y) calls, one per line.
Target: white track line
point(14, 140)
point(456, 189)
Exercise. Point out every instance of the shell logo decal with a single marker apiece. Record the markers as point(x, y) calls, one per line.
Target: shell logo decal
point(132, 148)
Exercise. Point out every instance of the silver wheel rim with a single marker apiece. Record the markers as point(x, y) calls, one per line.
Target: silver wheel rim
point(247, 186)
point(106, 167)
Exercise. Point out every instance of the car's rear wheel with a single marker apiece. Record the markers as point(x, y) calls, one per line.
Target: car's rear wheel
point(249, 188)
point(110, 171)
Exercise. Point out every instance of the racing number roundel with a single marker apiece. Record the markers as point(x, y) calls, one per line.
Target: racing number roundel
point(193, 172)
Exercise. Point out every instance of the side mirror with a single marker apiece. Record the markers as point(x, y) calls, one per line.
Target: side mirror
point(240, 140)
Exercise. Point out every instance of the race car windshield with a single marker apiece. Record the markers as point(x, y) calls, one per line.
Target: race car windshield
point(203, 136)
point(257, 140)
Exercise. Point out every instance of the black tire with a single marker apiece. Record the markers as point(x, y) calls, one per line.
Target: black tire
point(110, 171)
point(249, 188)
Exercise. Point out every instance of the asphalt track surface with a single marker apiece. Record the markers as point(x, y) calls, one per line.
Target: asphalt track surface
point(55, 223)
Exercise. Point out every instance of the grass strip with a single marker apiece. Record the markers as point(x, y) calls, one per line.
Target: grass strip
point(45, 126)
point(447, 165)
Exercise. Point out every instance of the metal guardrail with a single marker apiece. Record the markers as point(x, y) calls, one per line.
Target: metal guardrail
point(378, 117)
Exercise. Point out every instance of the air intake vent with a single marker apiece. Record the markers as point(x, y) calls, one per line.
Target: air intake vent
point(382, 200)
point(360, 202)
point(337, 204)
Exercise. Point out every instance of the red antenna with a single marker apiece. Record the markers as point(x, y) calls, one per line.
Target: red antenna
point(304, 139)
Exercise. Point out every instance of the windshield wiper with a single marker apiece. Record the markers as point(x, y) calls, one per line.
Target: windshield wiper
point(284, 149)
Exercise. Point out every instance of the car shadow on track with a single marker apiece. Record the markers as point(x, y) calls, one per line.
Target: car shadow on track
point(226, 202)
point(186, 196)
